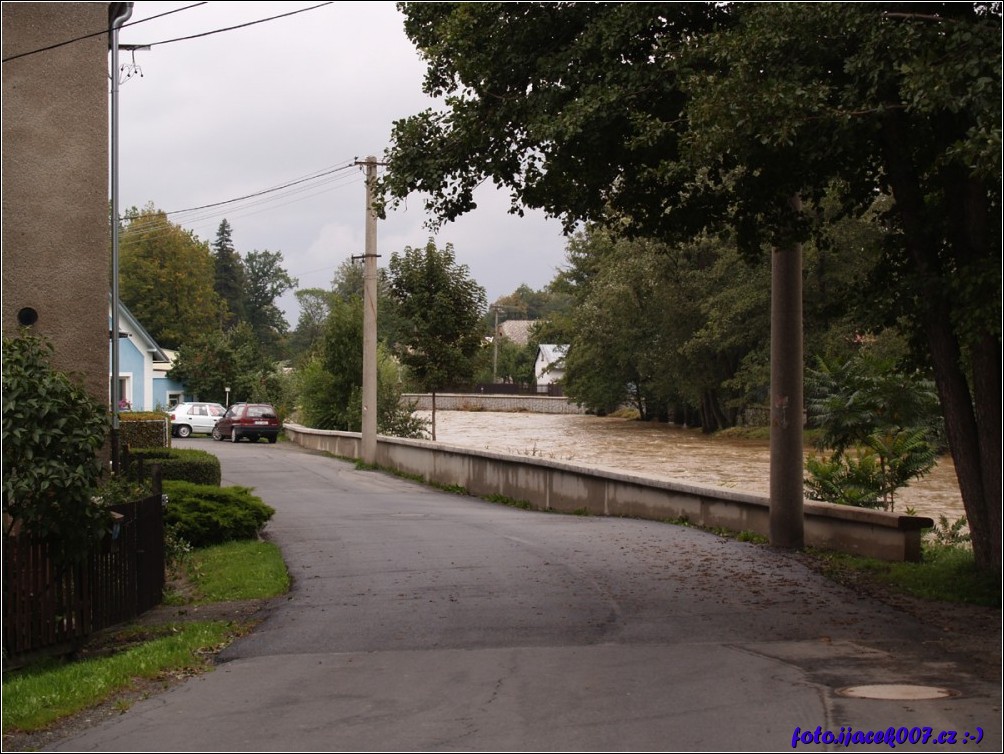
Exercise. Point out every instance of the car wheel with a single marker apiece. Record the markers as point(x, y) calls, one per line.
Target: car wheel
point(216, 434)
point(184, 431)
point(233, 435)
point(272, 439)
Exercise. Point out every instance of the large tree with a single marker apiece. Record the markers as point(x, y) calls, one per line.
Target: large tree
point(267, 280)
point(229, 280)
point(670, 117)
point(166, 278)
point(440, 307)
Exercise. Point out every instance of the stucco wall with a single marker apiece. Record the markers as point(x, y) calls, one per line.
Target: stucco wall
point(55, 182)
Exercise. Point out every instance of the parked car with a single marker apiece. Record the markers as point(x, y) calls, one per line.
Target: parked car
point(189, 418)
point(250, 420)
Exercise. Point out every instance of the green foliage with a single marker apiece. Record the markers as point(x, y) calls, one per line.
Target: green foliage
point(181, 464)
point(213, 360)
point(666, 119)
point(177, 549)
point(229, 280)
point(947, 533)
point(144, 429)
point(206, 515)
point(441, 306)
point(881, 424)
point(52, 432)
point(846, 479)
point(315, 306)
point(659, 326)
point(166, 277)
point(849, 401)
point(331, 381)
point(266, 280)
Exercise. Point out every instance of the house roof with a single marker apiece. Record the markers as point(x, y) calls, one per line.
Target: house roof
point(517, 330)
point(148, 343)
point(550, 352)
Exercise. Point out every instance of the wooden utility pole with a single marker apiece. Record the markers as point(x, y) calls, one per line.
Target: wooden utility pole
point(369, 408)
point(787, 527)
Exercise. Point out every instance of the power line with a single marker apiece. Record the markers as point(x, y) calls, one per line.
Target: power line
point(239, 26)
point(167, 41)
point(98, 33)
point(264, 191)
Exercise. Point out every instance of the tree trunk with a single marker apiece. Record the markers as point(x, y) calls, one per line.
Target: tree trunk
point(971, 416)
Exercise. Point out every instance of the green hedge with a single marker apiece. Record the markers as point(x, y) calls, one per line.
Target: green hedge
point(196, 466)
point(204, 515)
point(144, 429)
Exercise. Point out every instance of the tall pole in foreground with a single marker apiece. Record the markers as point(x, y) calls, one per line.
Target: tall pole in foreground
point(119, 13)
point(787, 527)
point(369, 409)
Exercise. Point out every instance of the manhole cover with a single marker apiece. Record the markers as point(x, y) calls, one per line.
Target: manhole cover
point(903, 691)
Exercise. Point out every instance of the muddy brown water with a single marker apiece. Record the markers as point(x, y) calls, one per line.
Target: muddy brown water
point(659, 451)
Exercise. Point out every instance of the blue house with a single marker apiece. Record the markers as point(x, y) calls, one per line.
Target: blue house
point(143, 367)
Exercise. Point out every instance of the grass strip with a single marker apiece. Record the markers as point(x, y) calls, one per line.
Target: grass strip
point(238, 571)
point(42, 694)
point(944, 574)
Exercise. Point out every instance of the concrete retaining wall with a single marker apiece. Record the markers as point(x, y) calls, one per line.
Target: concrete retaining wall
point(536, 404)
point(568, 488)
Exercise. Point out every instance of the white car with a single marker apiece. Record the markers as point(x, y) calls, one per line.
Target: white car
point(189, 418)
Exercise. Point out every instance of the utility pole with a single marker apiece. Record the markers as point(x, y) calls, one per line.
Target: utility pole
point(369, 408)
point(119, 13)
point(787, 527)
point(495, 345)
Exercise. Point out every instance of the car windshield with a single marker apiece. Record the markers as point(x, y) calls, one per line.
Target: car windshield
point(263, 412)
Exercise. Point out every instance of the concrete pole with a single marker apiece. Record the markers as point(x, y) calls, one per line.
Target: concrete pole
point(120, 13)
point(495, 347)
point(787, 528)
point(369, 408)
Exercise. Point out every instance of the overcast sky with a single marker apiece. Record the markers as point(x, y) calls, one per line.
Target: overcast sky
point(236, 113)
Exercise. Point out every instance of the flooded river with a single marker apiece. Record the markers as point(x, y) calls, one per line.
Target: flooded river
point(658, 451)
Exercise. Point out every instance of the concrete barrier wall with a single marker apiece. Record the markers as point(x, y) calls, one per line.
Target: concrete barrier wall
point(568, 488)
point(537, 404)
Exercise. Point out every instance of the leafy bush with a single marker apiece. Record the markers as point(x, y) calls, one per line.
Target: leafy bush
point(144, 429)
point(883, 426)
point(52, 432)
point(185, 465)
point(205, 515)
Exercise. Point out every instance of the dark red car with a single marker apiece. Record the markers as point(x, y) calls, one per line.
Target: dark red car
point(250, 420)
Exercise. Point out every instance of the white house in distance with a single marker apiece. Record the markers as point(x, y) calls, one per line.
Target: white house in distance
point(549, 367)
point(143, 366)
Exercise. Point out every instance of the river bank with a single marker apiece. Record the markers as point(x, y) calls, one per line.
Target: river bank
point(659, 451)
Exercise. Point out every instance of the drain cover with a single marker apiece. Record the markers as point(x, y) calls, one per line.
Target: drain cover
point(901, 691)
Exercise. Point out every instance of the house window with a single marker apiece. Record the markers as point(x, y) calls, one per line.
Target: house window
point(173, 399)
point(125, 392)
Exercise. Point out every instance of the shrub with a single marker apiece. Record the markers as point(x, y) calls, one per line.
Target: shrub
point(144, 429)
point(204, 515)
point(184, 465)
point(52, 432)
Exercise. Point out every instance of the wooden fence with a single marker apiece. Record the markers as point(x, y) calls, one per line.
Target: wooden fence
point(51, 607)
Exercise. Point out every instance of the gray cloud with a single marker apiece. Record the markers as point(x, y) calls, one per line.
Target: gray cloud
point(234, 113)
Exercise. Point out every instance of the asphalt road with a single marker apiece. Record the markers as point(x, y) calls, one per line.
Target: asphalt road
point(425, 621)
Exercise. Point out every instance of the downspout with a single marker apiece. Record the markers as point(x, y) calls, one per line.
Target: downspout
point(118, 14)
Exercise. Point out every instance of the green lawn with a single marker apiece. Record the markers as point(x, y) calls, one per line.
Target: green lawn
point(36, 696)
